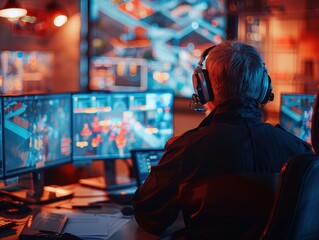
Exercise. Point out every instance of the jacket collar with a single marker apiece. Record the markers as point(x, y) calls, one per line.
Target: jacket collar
point(237, 108)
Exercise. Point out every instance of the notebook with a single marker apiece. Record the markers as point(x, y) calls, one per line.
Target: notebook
point(142, 160)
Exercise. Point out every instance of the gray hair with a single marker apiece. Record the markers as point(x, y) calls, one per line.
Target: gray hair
point(236, 70)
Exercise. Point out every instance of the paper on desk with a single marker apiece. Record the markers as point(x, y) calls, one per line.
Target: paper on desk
point(116, 222)
point(91, 226)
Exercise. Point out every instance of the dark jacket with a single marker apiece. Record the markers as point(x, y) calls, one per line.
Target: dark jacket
point(231, 140)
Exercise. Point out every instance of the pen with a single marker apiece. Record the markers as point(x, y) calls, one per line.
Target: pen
point(86, 206)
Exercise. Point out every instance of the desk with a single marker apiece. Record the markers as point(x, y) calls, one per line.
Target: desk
point(85, 195)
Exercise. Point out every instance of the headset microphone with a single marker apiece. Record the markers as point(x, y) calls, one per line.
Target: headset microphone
point(195, 104)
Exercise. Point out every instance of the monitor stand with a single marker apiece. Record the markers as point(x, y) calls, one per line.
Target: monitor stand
point(110, 181)
point(38, 193)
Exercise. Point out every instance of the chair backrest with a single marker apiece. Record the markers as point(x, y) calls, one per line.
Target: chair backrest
point(228, 206)
point(296, 208)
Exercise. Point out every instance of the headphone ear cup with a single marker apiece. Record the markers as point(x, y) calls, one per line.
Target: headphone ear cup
point(202, 85)
point(267, 94)
point(207, 87)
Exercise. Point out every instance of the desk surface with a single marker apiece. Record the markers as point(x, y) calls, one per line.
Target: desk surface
point(85, 195)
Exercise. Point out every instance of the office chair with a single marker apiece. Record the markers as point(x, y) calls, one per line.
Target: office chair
point(296, 207)
point(211, 206)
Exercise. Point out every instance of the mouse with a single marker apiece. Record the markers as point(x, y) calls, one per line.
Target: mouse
point(127, 211)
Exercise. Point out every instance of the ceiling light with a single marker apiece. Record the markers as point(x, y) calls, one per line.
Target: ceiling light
point(57, 13)
point(12, 10)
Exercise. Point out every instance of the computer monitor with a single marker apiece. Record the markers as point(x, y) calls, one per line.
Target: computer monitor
point(37, 135)
point(106, 126)
point(109, 125)
point(151, 44)
point(143, 160)
point(296, 111)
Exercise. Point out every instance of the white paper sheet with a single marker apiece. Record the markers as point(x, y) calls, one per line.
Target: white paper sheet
point(94, 226)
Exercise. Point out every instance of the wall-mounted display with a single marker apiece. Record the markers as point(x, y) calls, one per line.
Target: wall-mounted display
point(148, 44)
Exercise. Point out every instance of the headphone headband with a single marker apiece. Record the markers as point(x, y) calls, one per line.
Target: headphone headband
point(203, 92)
point(205, 54)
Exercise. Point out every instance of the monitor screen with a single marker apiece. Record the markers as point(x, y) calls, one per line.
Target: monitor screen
point(296, 112)
point(151, 44)
point(143, 160)
point(109, 125)
point(25, 71)
point(37, 132)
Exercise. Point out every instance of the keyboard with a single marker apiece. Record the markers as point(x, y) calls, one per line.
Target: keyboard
point(6, 224)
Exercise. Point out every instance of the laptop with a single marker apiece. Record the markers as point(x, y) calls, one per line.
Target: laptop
point(142, 160)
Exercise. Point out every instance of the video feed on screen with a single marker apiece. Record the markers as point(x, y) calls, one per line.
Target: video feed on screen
point(295, 114)
point(116, 74)
point(151, 44)
point(37, 132)
point(25, 71)
point(109, 125)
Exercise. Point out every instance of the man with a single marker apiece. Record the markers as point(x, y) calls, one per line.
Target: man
point(232, 83)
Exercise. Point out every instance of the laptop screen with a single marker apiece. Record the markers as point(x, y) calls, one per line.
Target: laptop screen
point(143, 160)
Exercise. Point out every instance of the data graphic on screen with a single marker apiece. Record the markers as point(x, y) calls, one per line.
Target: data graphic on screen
point(295, 114)
point(148, 44)
point(37, 132)
point(109, 125)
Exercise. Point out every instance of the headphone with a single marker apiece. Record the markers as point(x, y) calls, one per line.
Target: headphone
point(203, 92)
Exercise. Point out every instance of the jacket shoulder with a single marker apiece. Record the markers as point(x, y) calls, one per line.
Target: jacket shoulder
point(179, 138)
point(306, 145)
